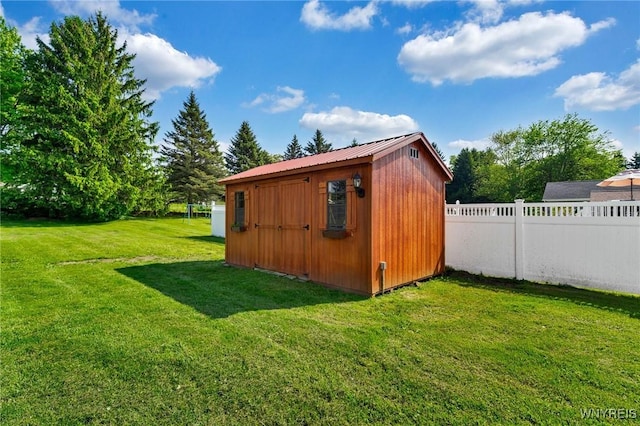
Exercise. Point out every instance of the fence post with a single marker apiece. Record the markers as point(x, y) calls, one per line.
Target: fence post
point(519, 237)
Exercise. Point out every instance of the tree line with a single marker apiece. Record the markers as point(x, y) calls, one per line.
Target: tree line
point(519, 163)
point(77, 138)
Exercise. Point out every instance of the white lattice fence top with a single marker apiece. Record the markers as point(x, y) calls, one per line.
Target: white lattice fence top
point(484, 210)
point(579, 209)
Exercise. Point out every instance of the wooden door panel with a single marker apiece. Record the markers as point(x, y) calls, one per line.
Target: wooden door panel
point(267, 219)
point(295, 232)
point(282, 222)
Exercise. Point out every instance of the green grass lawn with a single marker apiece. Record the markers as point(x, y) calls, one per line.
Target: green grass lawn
point(139, 322)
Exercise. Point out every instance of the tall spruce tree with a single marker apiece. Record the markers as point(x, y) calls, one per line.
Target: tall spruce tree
point(245, 153)
point(463, 186)
point(634, 161)
point(318, 144)
point(193, 159)
point(88, 153)
point(438, 151)
point(12, 81)
point(294, 149)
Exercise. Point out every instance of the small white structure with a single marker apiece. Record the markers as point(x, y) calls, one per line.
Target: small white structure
point(217, 220)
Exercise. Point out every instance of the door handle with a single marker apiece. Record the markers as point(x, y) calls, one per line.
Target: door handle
point(306, 227)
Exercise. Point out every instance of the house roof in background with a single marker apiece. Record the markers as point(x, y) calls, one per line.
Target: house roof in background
point(579, 190)
point(367, 152)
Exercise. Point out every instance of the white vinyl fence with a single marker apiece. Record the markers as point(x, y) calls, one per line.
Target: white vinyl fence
point(588, 244)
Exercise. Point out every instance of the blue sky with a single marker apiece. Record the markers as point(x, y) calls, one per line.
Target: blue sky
point(456, 70)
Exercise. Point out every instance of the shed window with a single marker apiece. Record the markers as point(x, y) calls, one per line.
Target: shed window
point(337, 204)
point(238, 217)
point(413, 152)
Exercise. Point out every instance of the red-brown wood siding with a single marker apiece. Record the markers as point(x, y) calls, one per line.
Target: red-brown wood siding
point(407, 218)
point(281, 242)
point(342, 263)
point(239, 245)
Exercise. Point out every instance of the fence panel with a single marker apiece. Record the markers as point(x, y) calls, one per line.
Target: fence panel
point(589, 244)
point(593, 244)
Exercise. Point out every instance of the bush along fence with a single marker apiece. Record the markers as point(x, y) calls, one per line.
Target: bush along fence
point(586, 244)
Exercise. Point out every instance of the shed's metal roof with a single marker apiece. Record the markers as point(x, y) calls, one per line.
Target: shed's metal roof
point(368, 151)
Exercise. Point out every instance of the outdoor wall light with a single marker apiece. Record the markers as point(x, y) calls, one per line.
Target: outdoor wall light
point(357, 184)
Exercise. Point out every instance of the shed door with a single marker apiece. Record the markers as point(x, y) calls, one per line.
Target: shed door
point(268, 220)
point(283, 226)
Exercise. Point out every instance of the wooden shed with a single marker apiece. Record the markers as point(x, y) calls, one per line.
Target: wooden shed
point(364, 219)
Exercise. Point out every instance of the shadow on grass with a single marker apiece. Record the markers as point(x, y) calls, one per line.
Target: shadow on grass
point(40, 222)
point(219, 291)
point(206, 239)
point(618, 302)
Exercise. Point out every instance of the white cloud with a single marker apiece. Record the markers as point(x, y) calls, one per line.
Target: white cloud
point(479, 144)
point(347, 123)
point(156, 60)
point(597, 91)
point(627, 149)
point(602, 25)
point(486, 11)
point(164, 67)
point(131, 19)
point(318, 17)
point(412, 4)
point(491, 11)
point(527, 46)
point(32, 30)
point(405, 29)
point(286, 99)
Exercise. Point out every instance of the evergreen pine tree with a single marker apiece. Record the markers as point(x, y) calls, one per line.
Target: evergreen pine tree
point(318, 145)
point(463, 186)
point(193, 159)
point(354, 142)
point(88, 153)
point(245, 153)
point(634, 161)
point(12, 81)
point(294, 149)
point(438, 150)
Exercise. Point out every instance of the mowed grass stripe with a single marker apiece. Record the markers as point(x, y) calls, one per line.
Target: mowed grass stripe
point(139, 322)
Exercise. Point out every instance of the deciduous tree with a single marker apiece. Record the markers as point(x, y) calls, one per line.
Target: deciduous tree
point(564, 150)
